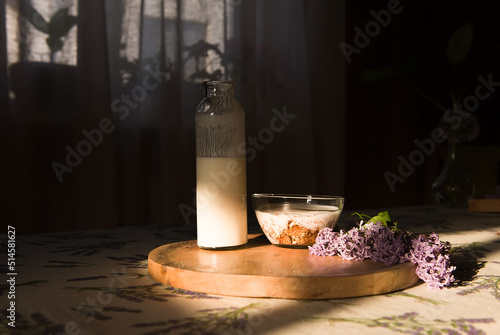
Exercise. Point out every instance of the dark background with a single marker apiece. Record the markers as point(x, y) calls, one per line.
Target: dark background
point(384, 119)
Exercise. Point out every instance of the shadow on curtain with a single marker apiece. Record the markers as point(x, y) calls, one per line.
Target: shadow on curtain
point(98, 100)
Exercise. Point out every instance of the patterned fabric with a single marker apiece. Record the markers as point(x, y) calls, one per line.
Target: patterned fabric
point(97, 282)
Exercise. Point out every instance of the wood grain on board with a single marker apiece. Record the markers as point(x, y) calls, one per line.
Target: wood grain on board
point(262, 270)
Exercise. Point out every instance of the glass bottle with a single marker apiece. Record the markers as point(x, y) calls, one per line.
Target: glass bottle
point(453, 188)
point(221, 202)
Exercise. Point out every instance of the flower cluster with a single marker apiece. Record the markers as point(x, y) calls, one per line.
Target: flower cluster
point(379, 243)
point(494, 195)
point(433, 260)
point(464, 127)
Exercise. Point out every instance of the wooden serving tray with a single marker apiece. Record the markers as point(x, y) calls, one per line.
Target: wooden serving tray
point(263, 270)
point(484, 205)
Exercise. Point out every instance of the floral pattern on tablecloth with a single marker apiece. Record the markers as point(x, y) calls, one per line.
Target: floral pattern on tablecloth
point(96, 282)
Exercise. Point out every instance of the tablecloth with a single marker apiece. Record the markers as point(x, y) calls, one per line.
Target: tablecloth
point(97, 282)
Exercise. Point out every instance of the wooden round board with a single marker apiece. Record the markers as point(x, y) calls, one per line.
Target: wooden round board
point(263, 270)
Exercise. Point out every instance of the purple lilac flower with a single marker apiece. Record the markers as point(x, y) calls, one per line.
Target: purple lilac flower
point(466, 131)
point(384, 245)
point(433, 260)
point(494, 195)
point(352, 245)
point(381, 244)
point(326, 243)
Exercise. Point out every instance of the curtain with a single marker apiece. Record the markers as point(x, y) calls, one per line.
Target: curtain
point(100, 116)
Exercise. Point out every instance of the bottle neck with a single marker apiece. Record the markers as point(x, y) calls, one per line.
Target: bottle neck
point(219, 88)
point(453, 154)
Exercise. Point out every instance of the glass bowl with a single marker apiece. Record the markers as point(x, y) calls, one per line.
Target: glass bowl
point(292, 220)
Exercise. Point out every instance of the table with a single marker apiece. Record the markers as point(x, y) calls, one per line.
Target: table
point(97, 282)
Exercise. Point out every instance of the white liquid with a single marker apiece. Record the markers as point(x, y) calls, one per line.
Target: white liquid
point(221, 203)
point(276, 218)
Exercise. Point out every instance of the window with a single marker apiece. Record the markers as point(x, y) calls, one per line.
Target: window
point(26, 42)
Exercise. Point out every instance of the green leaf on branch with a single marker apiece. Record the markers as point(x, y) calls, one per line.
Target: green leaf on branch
point(411, 65)
point(376, 75)
point(460, 43)
point(361, 216)
point(382, 217)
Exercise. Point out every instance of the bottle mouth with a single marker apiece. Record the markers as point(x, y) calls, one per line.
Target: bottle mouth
point(218, 87)
point(218, 82)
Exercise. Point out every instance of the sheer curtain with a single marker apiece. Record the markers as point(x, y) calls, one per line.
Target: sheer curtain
point(107, 138)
